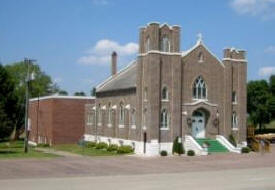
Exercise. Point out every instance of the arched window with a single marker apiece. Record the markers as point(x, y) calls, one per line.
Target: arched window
point(201, 57)
point(121, 114)
point(110, 114)
point(165, 44)
point(234, 97)
point(164, 119)
point(199, 89)
point(147, 44)
point(164, 93)
point(234, 121)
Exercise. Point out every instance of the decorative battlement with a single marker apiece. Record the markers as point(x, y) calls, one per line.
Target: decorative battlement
point(232, 53)
point(159, 37)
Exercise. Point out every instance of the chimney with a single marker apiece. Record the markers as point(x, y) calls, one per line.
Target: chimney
point(114, 63)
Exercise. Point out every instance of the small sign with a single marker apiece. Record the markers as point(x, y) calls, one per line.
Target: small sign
point(179, 140)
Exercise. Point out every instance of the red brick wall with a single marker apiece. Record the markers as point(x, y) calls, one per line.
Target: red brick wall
point(60, 121)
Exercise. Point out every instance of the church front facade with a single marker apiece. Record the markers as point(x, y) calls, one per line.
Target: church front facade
point(168, 93)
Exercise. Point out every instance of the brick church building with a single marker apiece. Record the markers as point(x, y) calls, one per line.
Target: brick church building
point(167, 93)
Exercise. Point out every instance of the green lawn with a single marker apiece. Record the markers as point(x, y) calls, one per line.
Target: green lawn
point(74, 148)
point(15, 150)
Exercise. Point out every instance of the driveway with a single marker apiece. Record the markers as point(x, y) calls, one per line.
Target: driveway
point(72, 166)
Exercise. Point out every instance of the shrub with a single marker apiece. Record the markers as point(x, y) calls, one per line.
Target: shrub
point(177, 147)
point(245, 150)
point(101, 145)
point(112, 148)
point(232, 140)
point(163, 153)
point(190, 153)
point(43, 145)
point(125, 149)
point(90, 144)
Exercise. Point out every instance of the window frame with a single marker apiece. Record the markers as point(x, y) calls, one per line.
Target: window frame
point(164, 119)
point(199, 89)
point(165, 44)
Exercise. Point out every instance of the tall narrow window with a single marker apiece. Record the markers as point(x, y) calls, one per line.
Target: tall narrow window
point(133, 117)
point(110, 114)
point(165, 44)
point(234, 97)
point(147, 44)
point(90, 118)
point(99, 115)
point(121, 114)
point(145, 94)
point(164, 119)
point(234, 121)
point(201, 57)
point(199, 89)
point(164, 93)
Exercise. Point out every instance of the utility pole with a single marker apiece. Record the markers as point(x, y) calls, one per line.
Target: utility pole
point(27, 61)
point(28, 79)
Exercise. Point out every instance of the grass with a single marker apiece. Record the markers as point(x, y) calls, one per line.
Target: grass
point(74, 148)
point(15, 150)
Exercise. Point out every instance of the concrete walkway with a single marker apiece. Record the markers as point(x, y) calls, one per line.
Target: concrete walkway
point(57, 152)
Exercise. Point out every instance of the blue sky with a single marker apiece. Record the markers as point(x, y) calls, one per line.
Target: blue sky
point(72, 39)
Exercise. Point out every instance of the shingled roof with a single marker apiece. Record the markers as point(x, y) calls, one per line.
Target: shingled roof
point(125, 79)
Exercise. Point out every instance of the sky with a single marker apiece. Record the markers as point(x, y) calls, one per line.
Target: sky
point(72, 40)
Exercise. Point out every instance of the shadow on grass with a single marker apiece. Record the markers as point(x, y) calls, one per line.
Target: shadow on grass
point(7, 152)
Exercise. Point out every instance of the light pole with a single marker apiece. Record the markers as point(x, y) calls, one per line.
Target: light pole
point(27, 128)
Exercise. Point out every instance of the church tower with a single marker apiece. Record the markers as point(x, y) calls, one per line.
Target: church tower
point(159, 85)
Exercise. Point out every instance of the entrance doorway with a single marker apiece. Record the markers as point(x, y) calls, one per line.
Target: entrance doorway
point(198, 124)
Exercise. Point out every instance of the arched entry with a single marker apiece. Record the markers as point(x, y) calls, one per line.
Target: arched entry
point(198, 124)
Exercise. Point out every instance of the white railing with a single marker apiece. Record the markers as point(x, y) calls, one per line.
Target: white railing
point(191, 144)
point(227, 144)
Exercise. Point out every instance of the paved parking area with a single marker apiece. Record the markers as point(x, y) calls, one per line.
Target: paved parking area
point(130, 165)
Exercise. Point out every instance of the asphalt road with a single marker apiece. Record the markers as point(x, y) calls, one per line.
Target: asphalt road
point(237, 179)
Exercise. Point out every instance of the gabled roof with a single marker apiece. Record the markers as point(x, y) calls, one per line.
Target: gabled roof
point(200, 43)
point(124, 79)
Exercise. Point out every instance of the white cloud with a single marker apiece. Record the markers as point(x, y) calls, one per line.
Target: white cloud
point(263, 8)
point(270, 49)
point(266, 71)
point(100, 2)
point(100, 53)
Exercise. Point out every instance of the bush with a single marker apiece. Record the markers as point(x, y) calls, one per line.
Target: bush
point(112, 148)
point(125, 149)
point(190, 153)
point(245, 150)
point(90, 144)
point(177, 147)
point(101, 145)
point(43, 145)
point(232, 140)
point(163, 153)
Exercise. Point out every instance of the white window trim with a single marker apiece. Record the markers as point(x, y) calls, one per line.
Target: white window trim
point(109, 125)
point(133, 127)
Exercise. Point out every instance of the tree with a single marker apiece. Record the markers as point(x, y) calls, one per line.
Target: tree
point(258, 97)
point(8, 101)
point(63, 92)
point(93, 91)
point(42, 85)
point(80, 93)
point(272, 84)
